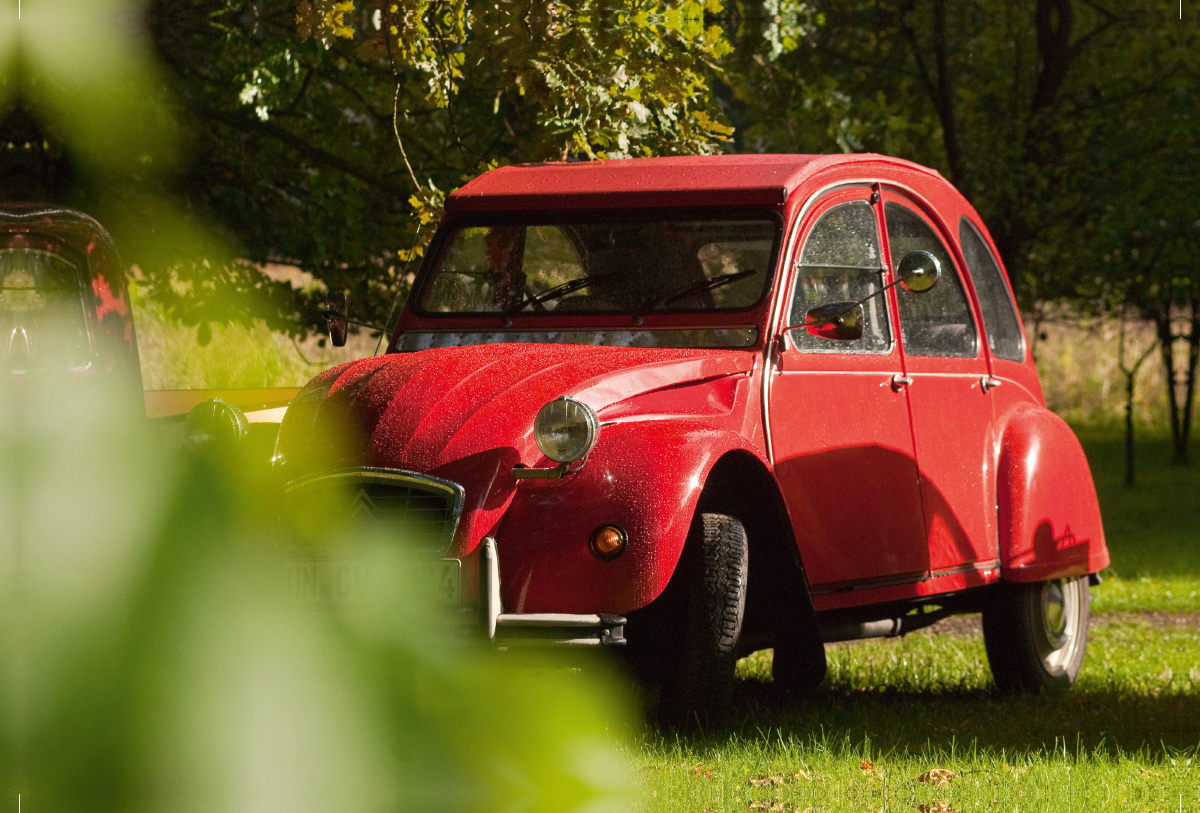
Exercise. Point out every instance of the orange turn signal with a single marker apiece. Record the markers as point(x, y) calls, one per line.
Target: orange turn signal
point(608, 541)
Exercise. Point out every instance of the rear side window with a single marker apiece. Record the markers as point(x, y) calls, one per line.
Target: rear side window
point(999, 316)
point(841, 261)
point(938, 322)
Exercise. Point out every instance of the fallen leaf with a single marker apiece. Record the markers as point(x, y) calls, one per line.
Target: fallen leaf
point(868, 768)
point(936, 807)
point(768, 781)
point(1148, 772)
point(777, 807)
point(802, 775)
point(938, 776)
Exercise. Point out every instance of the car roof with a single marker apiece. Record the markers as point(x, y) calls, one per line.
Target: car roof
point(697, 180)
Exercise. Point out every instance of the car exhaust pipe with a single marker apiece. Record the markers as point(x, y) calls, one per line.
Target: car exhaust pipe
point(833, 631)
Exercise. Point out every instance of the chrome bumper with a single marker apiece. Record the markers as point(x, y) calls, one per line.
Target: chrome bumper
point(537, 629)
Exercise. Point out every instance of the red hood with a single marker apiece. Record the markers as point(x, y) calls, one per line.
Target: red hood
point(466, 413)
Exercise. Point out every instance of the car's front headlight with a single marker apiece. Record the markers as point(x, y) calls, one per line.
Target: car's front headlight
point(566, 430)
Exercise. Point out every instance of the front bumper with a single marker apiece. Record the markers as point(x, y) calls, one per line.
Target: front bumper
point(537, 629)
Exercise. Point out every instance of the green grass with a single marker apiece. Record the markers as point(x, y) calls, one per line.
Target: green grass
point(236, 357)
point(1152, 529)
point(1127, 731)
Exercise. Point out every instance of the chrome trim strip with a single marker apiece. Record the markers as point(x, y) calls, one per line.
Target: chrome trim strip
point(547, 620)
point(890, 581)
point(578, 629)
point(415, 479)
point(770, 340)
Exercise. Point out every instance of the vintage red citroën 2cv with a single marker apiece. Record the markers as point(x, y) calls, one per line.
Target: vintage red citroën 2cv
point(695, 407)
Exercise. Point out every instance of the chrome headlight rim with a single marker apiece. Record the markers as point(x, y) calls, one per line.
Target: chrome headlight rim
point(582, 413)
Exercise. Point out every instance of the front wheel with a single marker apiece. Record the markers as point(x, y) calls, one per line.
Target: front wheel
point(715, 567)
point(1036, 634)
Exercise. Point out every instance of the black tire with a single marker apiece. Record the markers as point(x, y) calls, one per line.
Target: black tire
point(1036, 634)
point(715, 566)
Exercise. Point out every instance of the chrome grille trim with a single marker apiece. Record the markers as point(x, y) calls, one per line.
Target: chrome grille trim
point(363, 476)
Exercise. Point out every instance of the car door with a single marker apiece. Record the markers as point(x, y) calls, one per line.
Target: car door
point(946, 372)
point(840, 435)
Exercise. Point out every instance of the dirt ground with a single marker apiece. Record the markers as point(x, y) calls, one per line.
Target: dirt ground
point(970, 625)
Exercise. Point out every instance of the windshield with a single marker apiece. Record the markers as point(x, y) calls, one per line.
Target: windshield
point(42, 319)
point(633, 266)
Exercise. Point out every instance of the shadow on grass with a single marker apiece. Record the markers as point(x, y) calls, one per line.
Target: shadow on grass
point(1139, 690)
point(911, 723)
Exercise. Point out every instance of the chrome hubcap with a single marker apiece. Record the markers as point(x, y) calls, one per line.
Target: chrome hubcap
point(1054, 612)
point(1061, 609)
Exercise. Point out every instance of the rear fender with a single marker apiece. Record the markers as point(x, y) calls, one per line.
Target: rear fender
point(1049, 518)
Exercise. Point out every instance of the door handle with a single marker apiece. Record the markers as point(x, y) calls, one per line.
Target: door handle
point(987, 382)
point(899, 381)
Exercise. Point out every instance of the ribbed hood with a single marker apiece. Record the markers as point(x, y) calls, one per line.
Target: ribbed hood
point(466, 413)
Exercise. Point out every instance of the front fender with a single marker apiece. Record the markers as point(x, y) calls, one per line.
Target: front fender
point(645, 476)
point(1049, 518)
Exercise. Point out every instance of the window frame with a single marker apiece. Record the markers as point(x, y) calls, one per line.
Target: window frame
point(1009, 299)
point(443, 239)
point(949, 247)
point(823, 205)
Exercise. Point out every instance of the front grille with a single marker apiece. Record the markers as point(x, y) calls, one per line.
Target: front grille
point(418, 511)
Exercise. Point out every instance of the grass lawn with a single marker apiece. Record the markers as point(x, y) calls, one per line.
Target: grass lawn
point(1125, 738)
point(1153, 528)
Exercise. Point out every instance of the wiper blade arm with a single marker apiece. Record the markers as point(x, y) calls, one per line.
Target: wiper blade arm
point(703, 285)
point(559, 291)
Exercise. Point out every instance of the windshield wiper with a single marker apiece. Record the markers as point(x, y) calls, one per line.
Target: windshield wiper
point(559, 291)
point(703, 285)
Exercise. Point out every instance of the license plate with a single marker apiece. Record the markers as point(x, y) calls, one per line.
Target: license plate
point(328, 580)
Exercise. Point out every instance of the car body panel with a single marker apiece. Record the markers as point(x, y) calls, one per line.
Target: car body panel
point(1049, 516)
point(466, 415)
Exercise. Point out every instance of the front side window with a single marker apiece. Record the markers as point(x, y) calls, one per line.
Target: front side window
point(635, 267)
point(43, 322)
point(937, 322)
point(841, 262)
point(999, 316)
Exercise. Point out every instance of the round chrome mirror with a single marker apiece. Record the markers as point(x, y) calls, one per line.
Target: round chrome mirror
point(919, 271)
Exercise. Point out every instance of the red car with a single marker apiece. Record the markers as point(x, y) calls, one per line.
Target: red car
point(704, 406)
point(64, 305)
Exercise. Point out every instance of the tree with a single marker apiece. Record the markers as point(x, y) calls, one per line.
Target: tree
point(1137, 251)
point(1004, 99)
point(326, 135)
point(1068, 123)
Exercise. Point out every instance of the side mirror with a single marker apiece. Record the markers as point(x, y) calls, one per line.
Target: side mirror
point(919, 271)
point(337, 311)
point(837, 321)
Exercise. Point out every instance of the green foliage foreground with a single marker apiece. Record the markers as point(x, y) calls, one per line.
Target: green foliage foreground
point(150, 660)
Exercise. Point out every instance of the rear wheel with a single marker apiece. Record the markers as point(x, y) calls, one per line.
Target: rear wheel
point(715, 566)
point(1036, 634)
